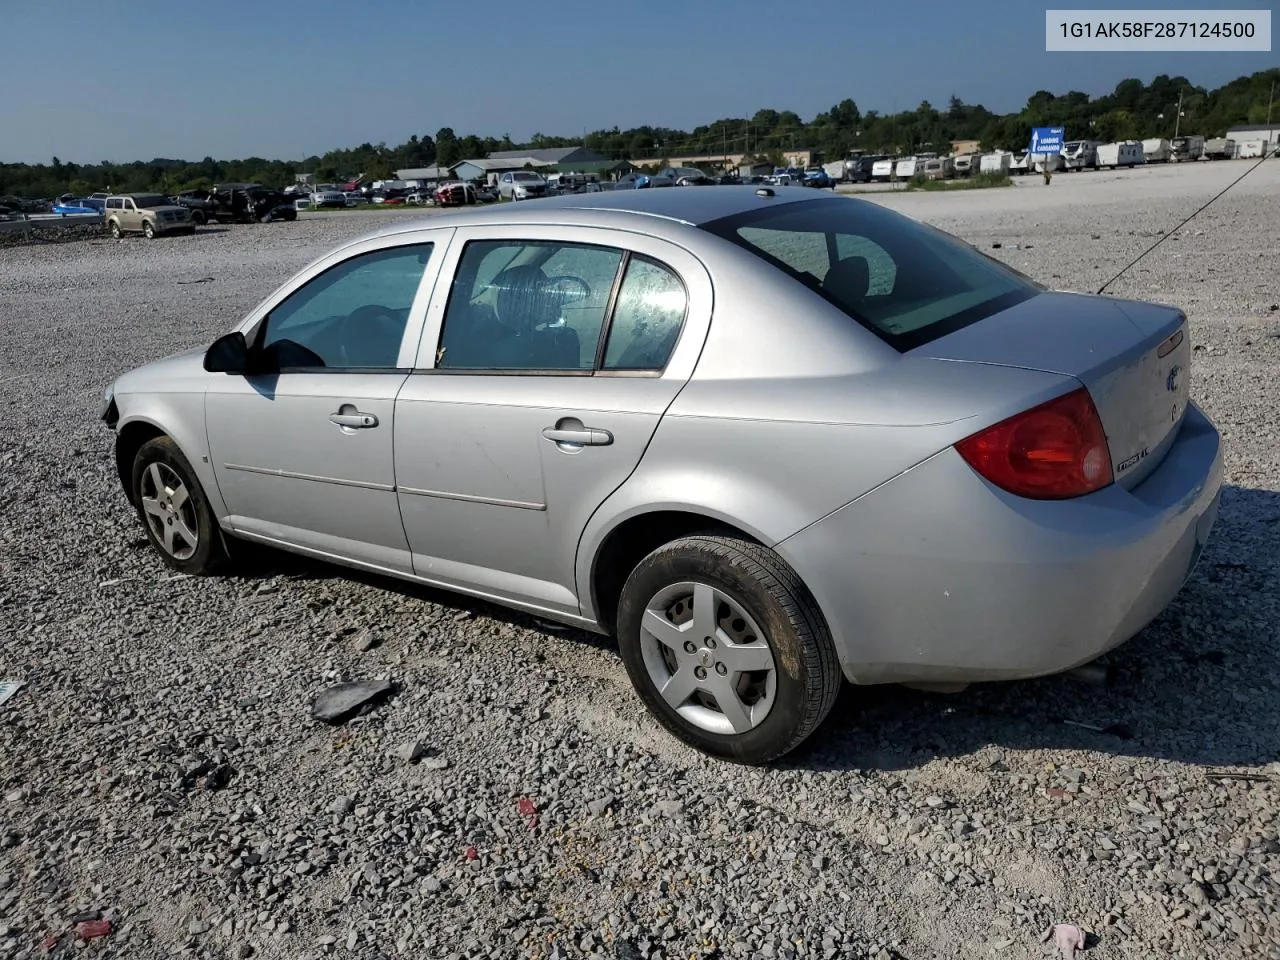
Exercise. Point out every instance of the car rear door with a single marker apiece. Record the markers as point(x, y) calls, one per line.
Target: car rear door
point(509, 434)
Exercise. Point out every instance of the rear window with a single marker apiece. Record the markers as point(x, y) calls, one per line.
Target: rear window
point(905, 281)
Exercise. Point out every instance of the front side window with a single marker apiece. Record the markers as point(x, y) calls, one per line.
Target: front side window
point(906, 282)
point(352, 316)
point(527, 305)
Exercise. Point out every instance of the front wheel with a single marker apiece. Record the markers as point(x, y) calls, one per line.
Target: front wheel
point(174, 509)
point(148, 230)
point(727, 648)
point(115, 229)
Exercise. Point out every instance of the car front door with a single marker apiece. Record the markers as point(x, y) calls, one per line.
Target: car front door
point(302, 451)
point(547, 361)
point(130, 218)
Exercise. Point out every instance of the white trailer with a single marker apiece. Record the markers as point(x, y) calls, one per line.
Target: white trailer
point(940, 168)
point(1040, 162)
point(997, 162)
point(966, 163)
point(907, 167)
point(1188, 148)
point(835, 170)
point(1124, 153)
point(1157, 150)
point(1252, 148)
point(1219, 148)
point(1080, 155)
point(883, 169)
point(1020, 163)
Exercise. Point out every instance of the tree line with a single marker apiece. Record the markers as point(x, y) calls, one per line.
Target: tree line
point(1133, 110)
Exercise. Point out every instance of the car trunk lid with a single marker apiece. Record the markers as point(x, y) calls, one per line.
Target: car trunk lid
point(1134, 358)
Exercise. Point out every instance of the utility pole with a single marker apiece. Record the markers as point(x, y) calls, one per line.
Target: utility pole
point(1178, 119)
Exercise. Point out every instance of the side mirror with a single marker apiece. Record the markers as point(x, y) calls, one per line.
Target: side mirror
point(228, 354)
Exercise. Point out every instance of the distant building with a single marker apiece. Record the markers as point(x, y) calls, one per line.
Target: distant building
point(557, 156)
point(961, 147)
point(424, 173)
point(1248, 132)
point(490, 168)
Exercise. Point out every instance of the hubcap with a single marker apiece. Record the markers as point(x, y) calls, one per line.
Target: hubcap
point(707, 658)
point(169, 511)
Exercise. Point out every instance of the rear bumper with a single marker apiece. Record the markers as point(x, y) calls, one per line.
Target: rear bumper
point(938, 576)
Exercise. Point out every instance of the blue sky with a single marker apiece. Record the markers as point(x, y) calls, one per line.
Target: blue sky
point(90, 80)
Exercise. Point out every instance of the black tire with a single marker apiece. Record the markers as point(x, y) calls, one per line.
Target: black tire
point(148, 230)
point(115, 229)
point(198, 218)
point(210, 553)
point(807, 671)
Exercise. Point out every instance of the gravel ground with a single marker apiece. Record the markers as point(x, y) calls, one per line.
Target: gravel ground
point(161, 767)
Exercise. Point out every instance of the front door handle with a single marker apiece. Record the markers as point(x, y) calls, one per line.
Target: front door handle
point(573, 432)
point(353, 419)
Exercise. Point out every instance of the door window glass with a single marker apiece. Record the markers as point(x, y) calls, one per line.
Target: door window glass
point(353, 315)
point(536, 306)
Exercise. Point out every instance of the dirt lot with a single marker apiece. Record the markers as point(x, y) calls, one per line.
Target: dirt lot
point(160, 764)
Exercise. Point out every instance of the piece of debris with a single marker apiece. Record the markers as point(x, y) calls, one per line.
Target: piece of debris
point(1274, 307)
point(996, 246)
point(1095, 673)
point(365, 641)
point(92, 929)
point(411, 751)
point(1067, 937)
point(201, 280)
point(434, 763)
point(471, 853)
point(8, 688)
point(1121, 730)
point(339, 702)
point(112, 583)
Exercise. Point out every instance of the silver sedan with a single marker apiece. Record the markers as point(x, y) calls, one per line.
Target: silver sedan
point(770, 439)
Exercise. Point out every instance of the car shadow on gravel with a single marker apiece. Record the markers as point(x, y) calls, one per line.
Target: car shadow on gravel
point(255, 562)
point(1200, 685)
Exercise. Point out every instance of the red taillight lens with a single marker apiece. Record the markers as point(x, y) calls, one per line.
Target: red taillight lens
point(1050, 452)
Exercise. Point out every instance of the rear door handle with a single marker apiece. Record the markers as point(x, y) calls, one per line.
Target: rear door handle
point(353, 420)
point(580, 436)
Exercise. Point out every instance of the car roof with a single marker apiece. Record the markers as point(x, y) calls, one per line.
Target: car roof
point(665, 210)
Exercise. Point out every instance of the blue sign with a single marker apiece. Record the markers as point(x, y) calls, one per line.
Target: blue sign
point(1047, 139)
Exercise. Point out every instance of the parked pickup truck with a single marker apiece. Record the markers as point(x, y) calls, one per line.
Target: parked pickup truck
point(199, 203)
point(247, 202)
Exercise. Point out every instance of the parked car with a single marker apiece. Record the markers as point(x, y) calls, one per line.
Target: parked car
point(73, 206)
point(967, 477)
point(151, 214)
point(486, 193)
point(249, 202)
point(685, 176)
point(818, 178)
point(328, 200)
point(455, 193)
point(522, 185)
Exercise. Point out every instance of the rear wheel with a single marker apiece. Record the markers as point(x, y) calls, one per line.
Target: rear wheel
point(198, 218)
point(727, 648)
point(174, 509)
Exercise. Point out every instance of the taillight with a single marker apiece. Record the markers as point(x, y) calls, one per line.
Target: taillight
point(1051, 452)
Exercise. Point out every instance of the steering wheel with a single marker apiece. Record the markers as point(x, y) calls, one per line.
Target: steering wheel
point(366, 334)
point(569, 289)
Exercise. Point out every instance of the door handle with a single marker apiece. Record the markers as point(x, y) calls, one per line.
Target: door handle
point(355, 420)
point(578, 435)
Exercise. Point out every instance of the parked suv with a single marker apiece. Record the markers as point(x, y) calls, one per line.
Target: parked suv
point(522, 185)
point(150, 214)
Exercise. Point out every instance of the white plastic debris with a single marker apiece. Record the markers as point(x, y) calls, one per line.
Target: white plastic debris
point(8, 688)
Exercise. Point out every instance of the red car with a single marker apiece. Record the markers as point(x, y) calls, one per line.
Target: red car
point(455, 194)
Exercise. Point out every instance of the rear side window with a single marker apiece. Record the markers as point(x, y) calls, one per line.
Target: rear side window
point(906, 282)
